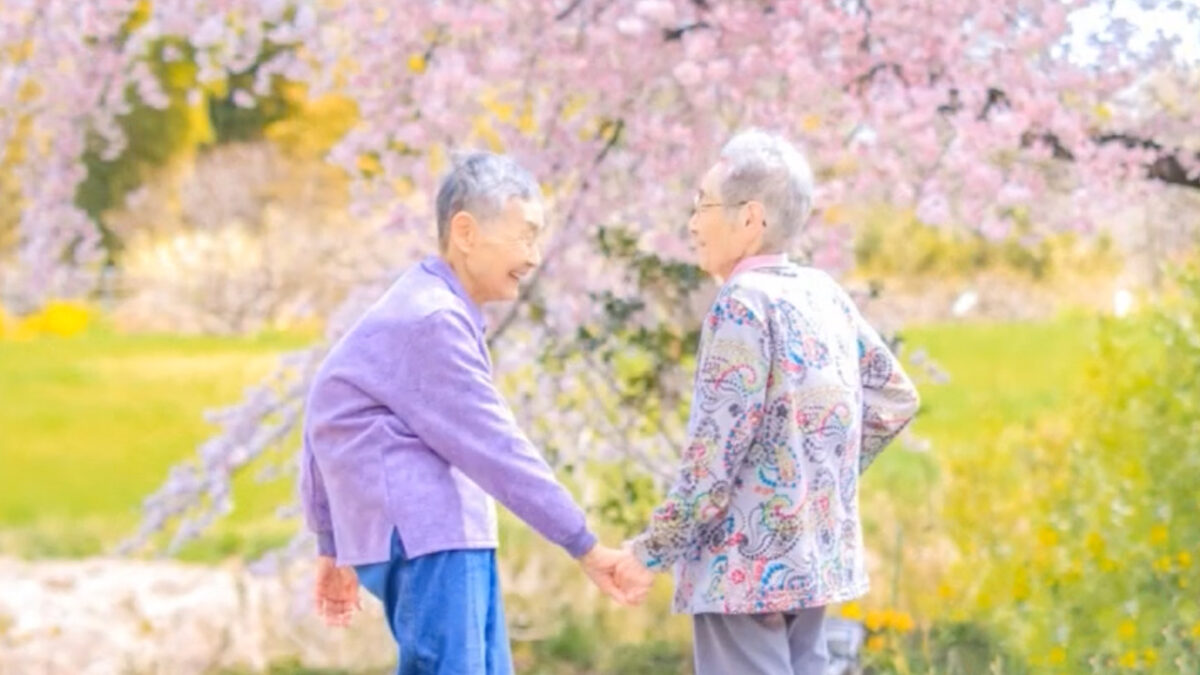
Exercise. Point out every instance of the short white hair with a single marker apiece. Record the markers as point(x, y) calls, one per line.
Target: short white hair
point(481, 183)
point(766, 168)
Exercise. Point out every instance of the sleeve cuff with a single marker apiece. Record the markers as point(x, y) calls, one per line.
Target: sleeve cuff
point(651, 562)
point(580, 544)
point(325, 544)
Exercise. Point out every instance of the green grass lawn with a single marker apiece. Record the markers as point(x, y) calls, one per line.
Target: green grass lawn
point(90, 425)
point(1001, 374)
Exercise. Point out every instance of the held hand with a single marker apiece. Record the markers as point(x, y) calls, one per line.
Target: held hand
point(633, 578)
point(335, 592)
point(600, 564)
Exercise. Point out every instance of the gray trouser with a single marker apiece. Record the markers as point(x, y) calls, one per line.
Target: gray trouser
point(761, 644)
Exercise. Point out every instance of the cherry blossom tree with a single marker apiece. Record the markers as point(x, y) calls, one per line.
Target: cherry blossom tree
point(970, 113)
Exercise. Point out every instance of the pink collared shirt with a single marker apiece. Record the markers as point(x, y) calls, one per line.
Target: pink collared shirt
point(758, 261)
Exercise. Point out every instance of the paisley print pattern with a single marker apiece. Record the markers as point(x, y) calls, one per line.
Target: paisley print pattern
point(795, 394)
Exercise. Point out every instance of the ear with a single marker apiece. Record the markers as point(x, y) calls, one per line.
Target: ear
point(464, 231)
point(755, 214)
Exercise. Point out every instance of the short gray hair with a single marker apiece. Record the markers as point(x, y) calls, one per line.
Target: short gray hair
point(481, 183)
point(765, 167)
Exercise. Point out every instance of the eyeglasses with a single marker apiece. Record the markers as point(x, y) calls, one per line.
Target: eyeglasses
point(698, 207)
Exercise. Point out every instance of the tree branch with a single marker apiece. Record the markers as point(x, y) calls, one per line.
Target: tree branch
point(1166, 166)
point(568, 10)
point(670, 34)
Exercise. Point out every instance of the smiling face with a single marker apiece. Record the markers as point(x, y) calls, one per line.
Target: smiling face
point(497, 254)
point(723, 234)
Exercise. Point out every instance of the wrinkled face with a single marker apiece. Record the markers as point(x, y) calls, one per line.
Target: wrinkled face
point(721, 233)
point(503, 250)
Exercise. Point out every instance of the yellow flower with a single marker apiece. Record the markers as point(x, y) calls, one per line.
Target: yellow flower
point(944, 591)
point(416, 63)
point(1021, 587)
point(901, 621)
point(852, 611)
point(1196, 630)
point(811, 122)
point(1163, 564)
point(60, 318)
point(1185, 559)
point(1047, 537)
point(876, 643)
point(1158, 535)
point(1129, 660)
point(876, 620)
point(1150, 656)
point(1127, 630)
point(1058, 656)
point(1095, 544)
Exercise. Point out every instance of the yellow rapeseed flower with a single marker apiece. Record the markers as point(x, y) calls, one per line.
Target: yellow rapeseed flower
point(852, 611)
point(876, 620)
point(61, 318)
point(1047, 537)
point(1058, 656)
point(901, 622)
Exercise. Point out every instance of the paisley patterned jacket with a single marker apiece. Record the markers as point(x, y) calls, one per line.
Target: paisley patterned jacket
point(795, 394)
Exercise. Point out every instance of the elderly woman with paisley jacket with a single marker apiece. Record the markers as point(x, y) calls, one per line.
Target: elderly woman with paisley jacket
point(795, 395)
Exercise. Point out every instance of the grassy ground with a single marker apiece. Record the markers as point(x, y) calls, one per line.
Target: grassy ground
point(91, 424)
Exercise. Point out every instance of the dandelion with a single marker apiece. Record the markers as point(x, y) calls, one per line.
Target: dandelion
point(1058, 656)
point(1127, 630)
point(876, 620)
point(1158, 535)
